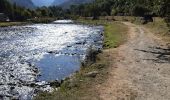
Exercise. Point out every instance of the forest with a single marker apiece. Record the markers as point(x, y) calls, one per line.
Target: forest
point(155, 8)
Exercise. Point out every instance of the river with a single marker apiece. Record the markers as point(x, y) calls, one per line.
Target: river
point(40, 53)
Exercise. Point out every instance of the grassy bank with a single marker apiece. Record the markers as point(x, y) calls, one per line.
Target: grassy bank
point(42, 20)
point(5, 24)
point(114, 32)
point(30, 21)
point(81, 86)
point(158, 26)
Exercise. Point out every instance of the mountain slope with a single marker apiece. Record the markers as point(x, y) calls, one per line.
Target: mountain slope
point(58, 2)
point(41, 3)
point(23, 3)
point(68, 3)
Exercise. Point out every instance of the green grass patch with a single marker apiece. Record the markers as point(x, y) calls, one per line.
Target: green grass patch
point(114, 32)
point(42, 20)
point(30, 21)
point(6, 24)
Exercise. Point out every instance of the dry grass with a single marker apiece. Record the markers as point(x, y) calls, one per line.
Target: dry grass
point(159, 27)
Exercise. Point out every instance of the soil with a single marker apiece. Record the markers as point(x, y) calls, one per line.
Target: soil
point(140, 70)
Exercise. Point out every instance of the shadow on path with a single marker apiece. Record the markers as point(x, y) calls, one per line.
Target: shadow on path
point(162, 55)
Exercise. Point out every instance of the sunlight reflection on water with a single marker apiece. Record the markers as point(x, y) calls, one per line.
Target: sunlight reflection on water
point(68, 43)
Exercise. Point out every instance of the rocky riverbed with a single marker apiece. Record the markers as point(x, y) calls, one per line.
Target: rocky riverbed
point(32, 56)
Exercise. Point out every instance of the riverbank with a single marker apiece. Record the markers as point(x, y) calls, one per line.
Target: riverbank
point(105, 75)
point(30, 21)
point(36, 53)
point(81, 84)
point(42, 20)
point(6, 24)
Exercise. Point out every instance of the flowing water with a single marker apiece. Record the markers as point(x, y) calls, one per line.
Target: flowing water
point(40, 53)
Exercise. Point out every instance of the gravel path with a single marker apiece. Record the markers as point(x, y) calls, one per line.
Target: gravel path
point(141, 70)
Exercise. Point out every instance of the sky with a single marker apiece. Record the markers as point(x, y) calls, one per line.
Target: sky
point(42, 2)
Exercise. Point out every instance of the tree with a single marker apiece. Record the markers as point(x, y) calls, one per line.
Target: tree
point(113, 12)
point(167, 12)
point(139, 10)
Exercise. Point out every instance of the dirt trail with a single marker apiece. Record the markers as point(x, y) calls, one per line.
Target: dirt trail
point(141, 69)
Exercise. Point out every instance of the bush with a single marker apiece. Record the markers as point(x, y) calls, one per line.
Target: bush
point(113, 12)
point(167, 19)
point(139, 10)
point(104, 14)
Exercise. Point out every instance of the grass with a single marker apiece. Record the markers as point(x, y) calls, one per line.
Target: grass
point(5, 24)
point(30, 21)
point(81, 87)
point(114, 32)
point(42, 20)
point(158, 27)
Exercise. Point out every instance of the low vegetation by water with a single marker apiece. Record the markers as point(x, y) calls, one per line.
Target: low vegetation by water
point(80, 85)
point(5, 24)
point(30, 21)
point(42, 20)
point(114, 32)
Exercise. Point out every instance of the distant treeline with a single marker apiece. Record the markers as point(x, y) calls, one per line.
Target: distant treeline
point(94, 9)
point(123, 8)
point(16, 13)
point(139, 8)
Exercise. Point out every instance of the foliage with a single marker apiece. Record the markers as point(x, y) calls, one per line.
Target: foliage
point(167, 11)
point(113, 12)
point(16, 13)
point(94, 9)
point(122, 7)
point(139, 10)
